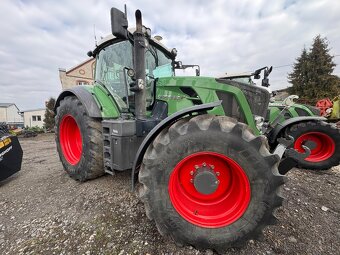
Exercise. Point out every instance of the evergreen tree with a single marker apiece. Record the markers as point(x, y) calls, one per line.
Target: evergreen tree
point(299, 76)
point(49, 114)
point(312, 73)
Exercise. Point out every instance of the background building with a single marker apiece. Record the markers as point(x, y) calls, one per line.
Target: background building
point(34, 117)
point(281, 94)
point(81, 74)
point(10, 114)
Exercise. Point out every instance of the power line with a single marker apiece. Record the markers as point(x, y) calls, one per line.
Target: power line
point(286, 65)
point(282, 66)
point(277, 67)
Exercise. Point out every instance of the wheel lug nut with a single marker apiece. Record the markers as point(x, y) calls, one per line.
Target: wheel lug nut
point(218, 173)
point(191, 172)
point(212, 167)
point(196, 166)
point(191, 180)
point(204, 164)
point(217, 182)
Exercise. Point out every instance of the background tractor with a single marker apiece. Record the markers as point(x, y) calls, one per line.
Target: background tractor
point(322, 137)
point(207, 175)
point(301, 122)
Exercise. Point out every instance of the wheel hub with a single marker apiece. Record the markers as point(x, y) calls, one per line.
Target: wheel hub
point(205, 180)
point(322, 146)
point(310, 144)
point(209, 189)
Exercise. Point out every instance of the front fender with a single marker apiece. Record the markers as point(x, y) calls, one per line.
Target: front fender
point(85, 97)
point(160, 126)
point(272, 136)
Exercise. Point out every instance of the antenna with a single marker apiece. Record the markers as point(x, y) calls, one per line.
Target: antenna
point(125, 9)
point(94, 34)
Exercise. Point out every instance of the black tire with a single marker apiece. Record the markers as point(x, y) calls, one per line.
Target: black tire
point(3, 128)
point(225, 136)
point(90, 164)
point(297, 130)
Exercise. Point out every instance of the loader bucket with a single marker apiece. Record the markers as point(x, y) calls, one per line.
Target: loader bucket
point(10, 155)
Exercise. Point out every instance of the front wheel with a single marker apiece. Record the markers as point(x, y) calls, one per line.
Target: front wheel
point(79, 140)
point(322, 138)
point(210, 182)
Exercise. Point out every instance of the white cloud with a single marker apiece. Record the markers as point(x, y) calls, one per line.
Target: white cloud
point(38, 37)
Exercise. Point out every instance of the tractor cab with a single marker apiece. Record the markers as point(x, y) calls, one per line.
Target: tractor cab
point(115, 69)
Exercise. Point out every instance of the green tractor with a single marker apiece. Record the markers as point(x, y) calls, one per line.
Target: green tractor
point(207, 175)
point(301, 122)
point(322, 137)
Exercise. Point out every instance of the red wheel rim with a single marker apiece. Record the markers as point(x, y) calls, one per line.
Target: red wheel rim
point(70, 139)
point(324, 146)
point(220, 208)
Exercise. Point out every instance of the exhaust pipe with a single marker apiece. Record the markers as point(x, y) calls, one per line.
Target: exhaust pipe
point(139, 67)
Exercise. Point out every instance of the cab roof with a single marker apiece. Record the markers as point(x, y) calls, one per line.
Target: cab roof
point(109, 38)
point(236, 75)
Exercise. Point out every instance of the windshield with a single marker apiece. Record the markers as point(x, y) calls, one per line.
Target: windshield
point(157, 63)
point(111, 65)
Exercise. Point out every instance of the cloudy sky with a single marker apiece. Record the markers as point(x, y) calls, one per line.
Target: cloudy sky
point(39, 36)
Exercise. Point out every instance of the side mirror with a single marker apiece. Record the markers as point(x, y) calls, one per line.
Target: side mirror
point(289, 101)
point(270, 70)
point(257, 76)
point(198, 72)
point(119, 23)
point(174, 52)
point(265, 82)
point(178, 64)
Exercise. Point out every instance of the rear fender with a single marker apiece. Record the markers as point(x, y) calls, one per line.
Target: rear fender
point(273, 135)
point(160, 126)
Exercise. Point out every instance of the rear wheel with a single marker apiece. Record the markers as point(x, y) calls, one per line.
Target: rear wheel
point(209, 182)
point(79, 140)
point(324, 141)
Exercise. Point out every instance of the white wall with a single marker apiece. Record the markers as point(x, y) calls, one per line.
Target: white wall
point(31, 118)
point(3, 114)
point(10, 114)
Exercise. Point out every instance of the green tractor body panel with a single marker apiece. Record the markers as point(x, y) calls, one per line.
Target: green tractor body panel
point(104, 101)
point(170, 90)
point(297, 110)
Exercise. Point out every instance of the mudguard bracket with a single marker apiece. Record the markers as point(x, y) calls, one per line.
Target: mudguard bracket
point(291, 156)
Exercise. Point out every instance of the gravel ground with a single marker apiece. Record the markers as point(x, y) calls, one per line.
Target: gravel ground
point(43, 211)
